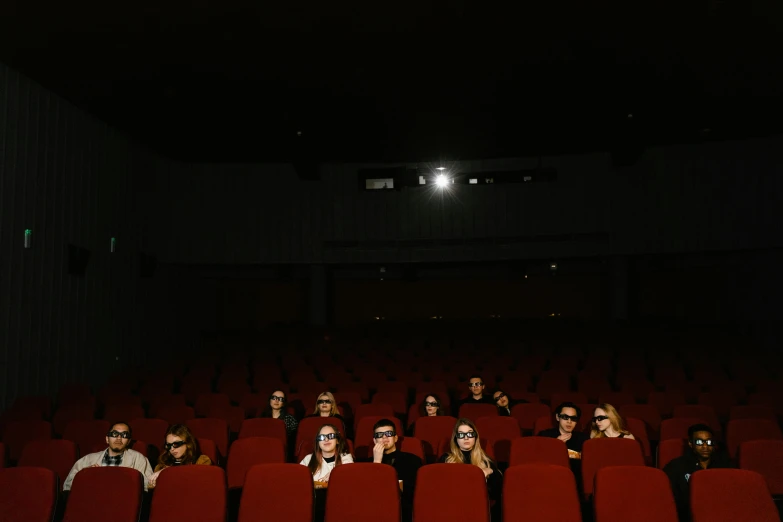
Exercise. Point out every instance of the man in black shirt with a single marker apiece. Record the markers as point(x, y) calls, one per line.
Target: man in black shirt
point(406, 464)
point(702, 455)
point(504, 403)
point(476, 387)
point(567, 416)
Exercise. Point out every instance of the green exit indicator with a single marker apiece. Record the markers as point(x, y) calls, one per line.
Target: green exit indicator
point(113, 247)
point(28, 238)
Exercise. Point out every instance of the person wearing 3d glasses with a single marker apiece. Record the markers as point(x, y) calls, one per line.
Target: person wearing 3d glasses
point(406, 465)
point(465, 448)
point(118, 453)
point(329, 450)
point(567, 416)
point(702, 454)
point(180, 449)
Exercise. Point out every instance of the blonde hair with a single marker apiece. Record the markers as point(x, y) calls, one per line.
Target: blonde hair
point(477, 455)
point(617, 422)
point(334, 411)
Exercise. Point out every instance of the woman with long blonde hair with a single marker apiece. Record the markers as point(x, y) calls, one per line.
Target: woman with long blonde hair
point(326, 406)
point(465, 448)
point(608, 423)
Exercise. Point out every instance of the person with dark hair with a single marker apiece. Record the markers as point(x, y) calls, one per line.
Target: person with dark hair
point(276, 410)
point(702, 454)
point(476, 387)
point(567, 416)
point(431, 406)
point(406, 464)
point(504, 402)
point(330, 450)
point(118, 453)
point(181, 449)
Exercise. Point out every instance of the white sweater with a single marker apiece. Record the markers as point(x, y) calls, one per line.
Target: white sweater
point(130, 459)
point(322, 475)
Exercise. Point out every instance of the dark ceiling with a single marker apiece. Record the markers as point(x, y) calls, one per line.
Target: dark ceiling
point(365, 81)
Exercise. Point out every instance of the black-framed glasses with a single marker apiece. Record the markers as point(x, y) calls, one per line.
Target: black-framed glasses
point(466, 434)
point(702, 442)
point(432, 404)
point(119, 434)
point(382, 434)
point(324, 401)
point(497, 399)
point(565, 417)
point(277, 398)
point(176, 444)
point(599, 418)
point(475, 384)
point(326, 436)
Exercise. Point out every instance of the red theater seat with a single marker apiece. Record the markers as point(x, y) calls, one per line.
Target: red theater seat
point(527, 414)
point(363, 492)
point(28, 494)
point(669, 450)
point(153, 431)
point(277, 492)
point(678, 428)
point(19, 433)
point(499, 432)
point(56, 455)
point(434, 479)
point(602, 453)
point(70, 413)
point(87, 434)
point(729, 495)
point(396, 400)
point(540, 492)
point(105, 493)
point(176, 414)
point(431, 431)
point(209, 448)
point(538, 450)
point(753, 412)
point(637, 492)
point(764, 457)
point(413, 446)
point(207, 401)
point(215, 430)
point(122, 412)
point(474, 411)
point(743, 430)
point(264, 427)
point(373, 410)
point(206, 495)
point(248, 452)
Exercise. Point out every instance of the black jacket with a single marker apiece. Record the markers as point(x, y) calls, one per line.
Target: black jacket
point(680, 470)
point(576, 441)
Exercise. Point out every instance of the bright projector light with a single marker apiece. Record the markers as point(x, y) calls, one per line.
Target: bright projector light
point(441, 181)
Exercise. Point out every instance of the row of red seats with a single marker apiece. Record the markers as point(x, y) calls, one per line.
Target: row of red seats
point(759, 450)
point(370, 492)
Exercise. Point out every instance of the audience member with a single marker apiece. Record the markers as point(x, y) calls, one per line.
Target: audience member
point(276, 410)
point(326, 406)
point(567, 416)
point(181, 449)
point(607, 422)
point(504, 402)
point(702, 454)
point(329, 445)
point(431, 406)
point(406, 464)
point(476, 387)
point(465, 448)
point(116, 454)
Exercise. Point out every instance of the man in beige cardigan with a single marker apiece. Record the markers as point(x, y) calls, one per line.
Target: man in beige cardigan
point(117, 454)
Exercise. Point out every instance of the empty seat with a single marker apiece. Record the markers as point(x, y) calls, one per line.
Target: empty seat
point(540, 492)
point(538, 450)
point(640, 494)
point(87, 434)
point(413, 446)
point(168, 400)
point(206, 401)
point(647, 413)
point(527, 414)
point(431, 431)
point(602, 453)
point(105, 493)
point(434, 479)
point(19, 433)
point(666, 401)
point(233, 415)
point(474, 411)
point(215, 430)
point(209, 448)
point(669, 450)
point(617, 399)
point(121, 412)
point(742, 430)
point(73, 393)
point(764, 457)
point(397, 400)
point(639, 430)
point(698, 411)
point(499, 432)
point(28, 494)
point(363, 492)
point(575, 397)
point(56, 455)
point(176, 414)
point(752, 412)
point(373, 410)
point(729, 495)
point(264, 427)
point(40, 404)
point(153, 431)
point(69, 413)
point(206, 495)
point(248, 452)
point(274, 492)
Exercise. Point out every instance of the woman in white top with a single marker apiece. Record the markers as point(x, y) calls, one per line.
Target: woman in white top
point(329, 450)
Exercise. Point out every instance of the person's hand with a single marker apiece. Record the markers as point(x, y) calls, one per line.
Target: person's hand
point(564, 437)
point(153, 479)
point(377, 452)
point(487, 472)
point(95, 466)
